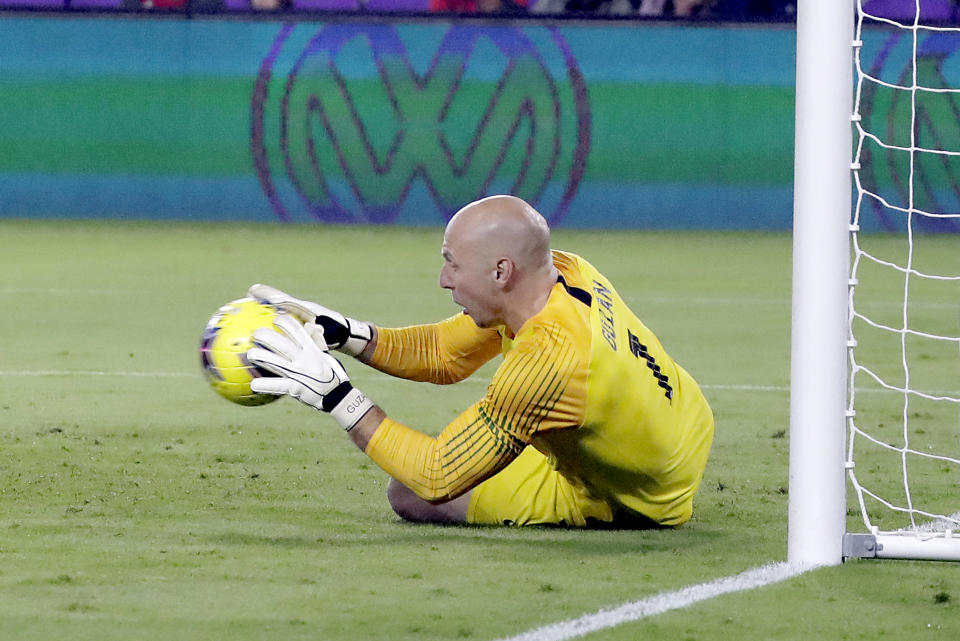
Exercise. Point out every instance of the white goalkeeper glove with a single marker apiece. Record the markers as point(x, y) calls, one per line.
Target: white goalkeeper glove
point(339, 332)
point(305, 371)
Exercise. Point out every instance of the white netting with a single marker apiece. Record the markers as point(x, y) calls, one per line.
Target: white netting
point(904, 395)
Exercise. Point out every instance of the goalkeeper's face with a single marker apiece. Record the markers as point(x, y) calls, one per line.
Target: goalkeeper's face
point(471, 280)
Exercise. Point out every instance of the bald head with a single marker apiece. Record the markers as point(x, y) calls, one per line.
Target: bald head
point(497, 261)
point(504, 226)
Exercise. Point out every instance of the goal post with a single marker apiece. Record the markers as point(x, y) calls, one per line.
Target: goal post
point(875, 373)
point(821, 214)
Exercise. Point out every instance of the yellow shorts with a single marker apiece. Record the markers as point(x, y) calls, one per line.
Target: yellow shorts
point(530, 492)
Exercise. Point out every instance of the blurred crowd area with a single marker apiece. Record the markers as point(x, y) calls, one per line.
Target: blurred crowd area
point(947, 11)
point(708, 9)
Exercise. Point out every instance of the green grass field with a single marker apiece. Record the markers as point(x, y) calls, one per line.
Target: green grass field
point(136, 504)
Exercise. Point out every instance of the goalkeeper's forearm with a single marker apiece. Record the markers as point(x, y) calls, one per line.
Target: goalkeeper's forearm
point(367, 354)
point(403, 458)
point(442, 353)
point(363, 431)
point(423, 463)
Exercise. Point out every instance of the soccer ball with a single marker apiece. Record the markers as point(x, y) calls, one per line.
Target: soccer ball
point(223, 350)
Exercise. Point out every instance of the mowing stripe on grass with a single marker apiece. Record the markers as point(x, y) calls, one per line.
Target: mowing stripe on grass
point(378, 376)
point(93, 372)
point(664, 602)
point(126, 374)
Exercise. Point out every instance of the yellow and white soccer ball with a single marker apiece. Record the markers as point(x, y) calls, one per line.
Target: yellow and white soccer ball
point(223, 350)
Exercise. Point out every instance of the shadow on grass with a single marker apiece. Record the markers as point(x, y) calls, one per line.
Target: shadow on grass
point(581, 543)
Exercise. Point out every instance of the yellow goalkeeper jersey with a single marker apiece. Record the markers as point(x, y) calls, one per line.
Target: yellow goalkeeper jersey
point(583, 381)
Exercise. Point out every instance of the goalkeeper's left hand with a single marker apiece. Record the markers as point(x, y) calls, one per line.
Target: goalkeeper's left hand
point(347, 335)
point(305, 371)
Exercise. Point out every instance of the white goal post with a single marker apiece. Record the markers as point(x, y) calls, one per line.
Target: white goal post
point(877, 148)
point(821, 214)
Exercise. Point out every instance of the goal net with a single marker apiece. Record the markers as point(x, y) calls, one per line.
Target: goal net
point(903, 395)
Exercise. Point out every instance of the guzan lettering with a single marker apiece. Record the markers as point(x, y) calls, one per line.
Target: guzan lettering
point(358, 401)
point(604, 298)
point(351, 408)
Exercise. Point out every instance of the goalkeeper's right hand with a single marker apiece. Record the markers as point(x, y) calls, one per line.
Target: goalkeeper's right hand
point(341, 333)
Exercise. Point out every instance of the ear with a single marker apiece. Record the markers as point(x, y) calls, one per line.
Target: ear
point(504, 271)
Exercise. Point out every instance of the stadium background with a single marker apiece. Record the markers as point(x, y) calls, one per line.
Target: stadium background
point(401, 119)
point(130, 117)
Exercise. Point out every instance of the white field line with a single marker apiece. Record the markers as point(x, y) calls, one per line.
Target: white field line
point(663, 602)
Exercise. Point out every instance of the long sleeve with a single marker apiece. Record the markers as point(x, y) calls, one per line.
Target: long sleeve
point(444, 352)
point(467, 452)
point(537, 388)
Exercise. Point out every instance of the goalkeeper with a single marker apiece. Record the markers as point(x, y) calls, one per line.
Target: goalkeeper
point(587, 421)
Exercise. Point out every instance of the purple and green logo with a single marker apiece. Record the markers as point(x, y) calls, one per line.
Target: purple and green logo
point(358, 123)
